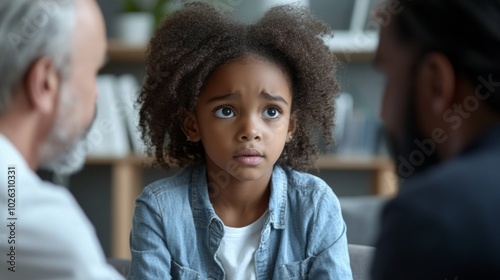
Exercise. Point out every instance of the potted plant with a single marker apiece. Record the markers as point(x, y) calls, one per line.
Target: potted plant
point(138, 19)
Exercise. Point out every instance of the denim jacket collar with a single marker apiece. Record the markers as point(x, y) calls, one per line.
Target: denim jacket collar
point(204, 213)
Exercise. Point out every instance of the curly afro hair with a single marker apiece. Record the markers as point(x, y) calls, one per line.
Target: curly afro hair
point(195, 40)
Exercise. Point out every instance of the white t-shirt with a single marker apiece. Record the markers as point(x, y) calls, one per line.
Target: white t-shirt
point(44, 234)
point(237, 249)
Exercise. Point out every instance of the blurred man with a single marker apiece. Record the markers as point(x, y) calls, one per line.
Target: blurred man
point(441, 106)
point(51, 52)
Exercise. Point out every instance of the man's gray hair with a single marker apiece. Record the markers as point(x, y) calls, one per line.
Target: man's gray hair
point(29, 30)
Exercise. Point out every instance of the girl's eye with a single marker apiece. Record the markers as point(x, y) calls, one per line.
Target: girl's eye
point(271, 113)
point(224, 113)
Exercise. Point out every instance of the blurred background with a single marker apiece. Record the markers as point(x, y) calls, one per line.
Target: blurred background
point(358, 168)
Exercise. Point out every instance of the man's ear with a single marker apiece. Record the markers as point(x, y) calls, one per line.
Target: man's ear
point(190, 127)
point(41, 84)
point(292, 125)
point(435, 88)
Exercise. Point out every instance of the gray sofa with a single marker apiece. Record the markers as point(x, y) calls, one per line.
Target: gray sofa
point(360, 256)
point(361, 259)
point(362, 217)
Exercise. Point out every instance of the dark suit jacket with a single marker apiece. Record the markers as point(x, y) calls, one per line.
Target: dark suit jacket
point(445, 222)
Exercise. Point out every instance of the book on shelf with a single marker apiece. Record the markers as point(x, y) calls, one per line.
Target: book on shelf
point(108, 136)
point(356, 133)
point(344, 106)
point(361, 137)
point(127, 90)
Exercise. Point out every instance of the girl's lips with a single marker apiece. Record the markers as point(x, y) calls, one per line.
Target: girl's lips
point(249, 152)
point(249, 156)
point(249, 160)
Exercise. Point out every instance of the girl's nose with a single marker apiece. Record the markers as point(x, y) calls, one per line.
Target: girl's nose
point(250, 130)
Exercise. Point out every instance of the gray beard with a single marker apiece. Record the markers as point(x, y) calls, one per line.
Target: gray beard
point(70, 160)
point(63, 153)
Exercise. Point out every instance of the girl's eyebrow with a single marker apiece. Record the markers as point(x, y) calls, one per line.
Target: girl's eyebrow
point(278, 98)
point(231, 96)
point(228, 96)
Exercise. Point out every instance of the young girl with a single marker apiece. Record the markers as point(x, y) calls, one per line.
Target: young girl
point(238, 106)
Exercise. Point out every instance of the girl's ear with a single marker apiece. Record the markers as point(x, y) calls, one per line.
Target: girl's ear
point(292, 126)
point(190, 127)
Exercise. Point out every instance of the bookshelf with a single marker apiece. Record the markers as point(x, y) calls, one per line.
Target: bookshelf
point(119, 52)
point(124, 53)
point(127, 183)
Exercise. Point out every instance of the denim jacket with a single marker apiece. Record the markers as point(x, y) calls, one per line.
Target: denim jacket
point(176, 232)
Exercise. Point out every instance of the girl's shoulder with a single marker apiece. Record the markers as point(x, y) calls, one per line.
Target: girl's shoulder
point(303, 181)
point(176, 183)
point(306, 191)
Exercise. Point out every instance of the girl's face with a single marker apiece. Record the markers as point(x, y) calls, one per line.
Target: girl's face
point(243, 120)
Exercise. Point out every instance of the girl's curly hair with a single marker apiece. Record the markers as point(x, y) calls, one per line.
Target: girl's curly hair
point(192, 42)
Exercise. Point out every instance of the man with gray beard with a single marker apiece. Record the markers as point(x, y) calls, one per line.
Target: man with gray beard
point(51, 51)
